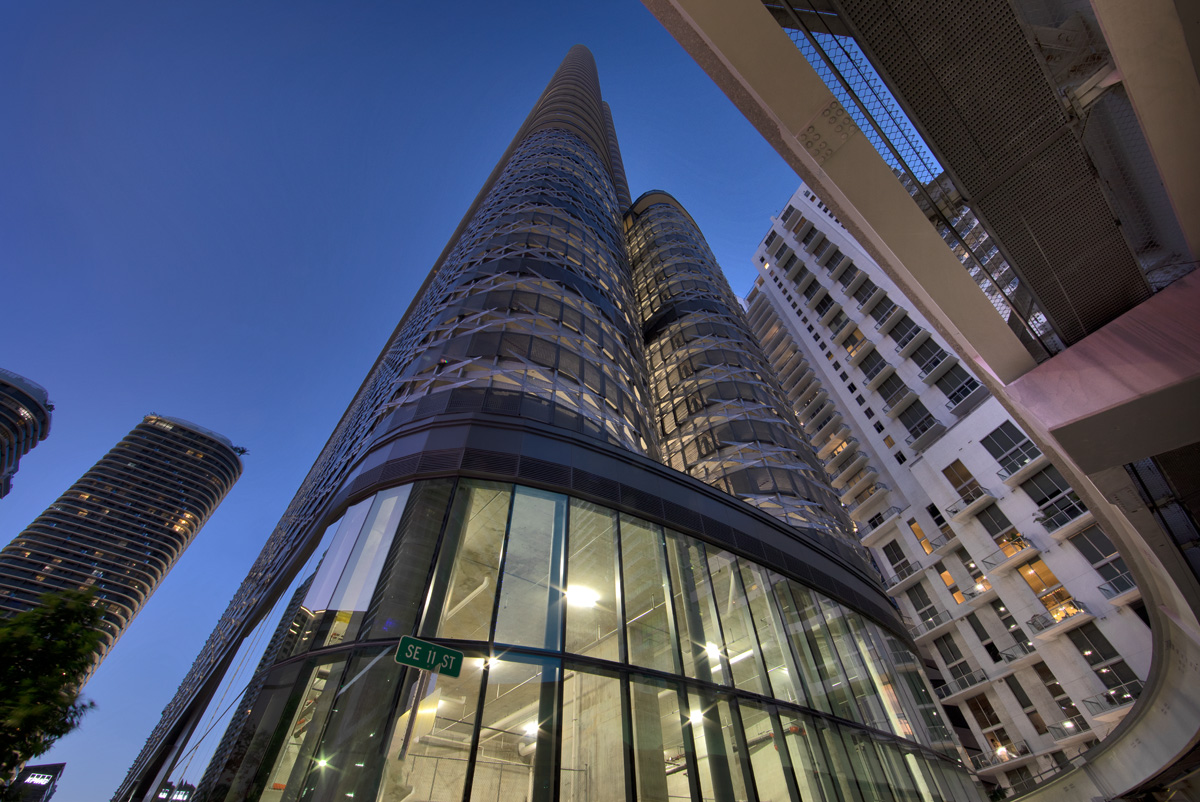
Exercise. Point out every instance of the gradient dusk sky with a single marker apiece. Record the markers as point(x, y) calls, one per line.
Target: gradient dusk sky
point(218, 211)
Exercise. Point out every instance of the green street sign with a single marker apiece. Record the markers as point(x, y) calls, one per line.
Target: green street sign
point(429, 656)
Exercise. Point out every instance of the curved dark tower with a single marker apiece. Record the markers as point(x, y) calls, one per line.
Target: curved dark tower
point(124, 524)
point(722, 415)
point(496, 489)
point(24, 422)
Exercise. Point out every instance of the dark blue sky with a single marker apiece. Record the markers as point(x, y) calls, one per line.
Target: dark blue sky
point(218, 211)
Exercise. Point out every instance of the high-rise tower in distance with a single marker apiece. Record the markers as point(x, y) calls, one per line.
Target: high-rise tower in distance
point(522, 478)
point(124, 524)
point(24, 422)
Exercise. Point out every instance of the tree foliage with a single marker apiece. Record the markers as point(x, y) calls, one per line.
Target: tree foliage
point(45, 653)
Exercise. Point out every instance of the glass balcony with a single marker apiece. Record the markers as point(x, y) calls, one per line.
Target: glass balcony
point(961, 684)
point(901, 574)
point(1005, 753)
point(920, 427)
point(907, 338)
point(1057, 614)
point(970, 499)
point(1019, 651)
point(929, 623)
point(929, 365)
point(877, 520)
point(1060, 511)
point(866, 496)
point(1069, 728)
point(961, 393)
point(1118, 585)
point(1016, 459)
point(1011, 548)
point(1114, 698)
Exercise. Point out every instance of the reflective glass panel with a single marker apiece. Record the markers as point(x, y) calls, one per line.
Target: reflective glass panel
point(593, 595)
point(471, 556)
point(531, 586)
point(662, 761)
point(648, 623)
point(593, 738)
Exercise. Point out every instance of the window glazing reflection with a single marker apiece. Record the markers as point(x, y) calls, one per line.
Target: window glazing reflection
point(607, 658)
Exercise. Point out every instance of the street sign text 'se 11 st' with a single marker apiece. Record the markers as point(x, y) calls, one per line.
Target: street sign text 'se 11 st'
point(429, 656)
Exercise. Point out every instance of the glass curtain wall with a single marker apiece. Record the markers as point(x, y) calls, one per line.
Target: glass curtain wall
point(607, 658)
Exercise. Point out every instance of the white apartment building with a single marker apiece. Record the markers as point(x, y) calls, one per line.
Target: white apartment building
point(1013, 591)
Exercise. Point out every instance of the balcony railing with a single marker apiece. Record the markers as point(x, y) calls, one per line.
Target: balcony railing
point(1009, 548)
point(1016, 459)
point(1060, 511)
point(874, 370)
point(865, 496)
point(920, 427)
point(1018, 651)
point(929, 365)
point(961, 684)
point(959, 393)
point(907, 337)
point(967, 497)
point(1003, 754)
point(856, 348)
point(900, 575)
point(1114, 698)
point(1114, 587)
point(895, 398)
point(849, 442)
point(929, 623)
point(1069, 728)
point(1057, 614)
point(875, 521)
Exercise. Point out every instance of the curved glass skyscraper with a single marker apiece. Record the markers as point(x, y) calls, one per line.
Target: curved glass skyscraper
point(124, 524)
point(505, 485)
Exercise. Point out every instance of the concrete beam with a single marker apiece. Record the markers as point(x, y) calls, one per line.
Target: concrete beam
point(1148, 42)
point(1128, 391)
point(749, 56)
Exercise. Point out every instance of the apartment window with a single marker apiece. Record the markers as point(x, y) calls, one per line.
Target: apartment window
point(928, 356)
point(843, 376)
point(922, 541)
point(957, 384)
point(900, 458)
point(1030, 710)
point(904, 331)
point(895, 557)
point(888, 441)
point(959, 477)
point(810, 329)
point(771, 237)
point(878, 427)
point(847, 275)
point(789, 263)
point(823, 306)
point(1009, 623)
point(883, 310)
point(1102, 657)
point(865, 291)
point(892, 387)
point(956, 664)
point(1038, 576)
point(1072, 721)
point(916, 419)
point(858, 399)
point(872, 365)
point(811, 290)
point(787, 214)
point(837, 366)
point(839, 320)
point(993, 519)
point(1009, 446)
point(985, 639)
point(1057, 501)
point(870, 413)
point(851, 387)
point(781, 250)
point(1095, 546)
point(948, 580)
point(983, 712)
point(981, 583)
point(918, 597)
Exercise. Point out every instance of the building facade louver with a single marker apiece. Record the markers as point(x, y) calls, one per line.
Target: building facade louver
point(504, 485)
point(124, 524)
